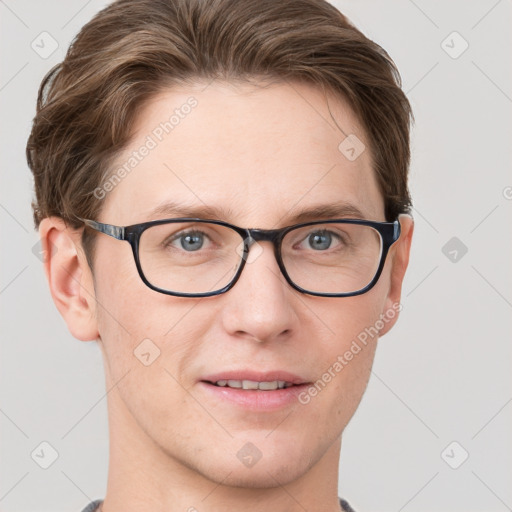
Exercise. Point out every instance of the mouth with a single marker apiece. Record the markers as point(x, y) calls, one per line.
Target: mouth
point(254, 390)
point(271, 385)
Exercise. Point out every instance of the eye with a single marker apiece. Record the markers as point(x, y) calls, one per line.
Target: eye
point(320, 240)
point(189, 241)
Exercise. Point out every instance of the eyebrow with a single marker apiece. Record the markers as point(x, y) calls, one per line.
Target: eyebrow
point(341, 209)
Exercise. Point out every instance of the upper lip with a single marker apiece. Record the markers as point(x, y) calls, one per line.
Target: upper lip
point(268, 376)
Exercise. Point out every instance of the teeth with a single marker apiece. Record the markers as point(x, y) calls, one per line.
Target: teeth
point(252, 384)
point(267, 385)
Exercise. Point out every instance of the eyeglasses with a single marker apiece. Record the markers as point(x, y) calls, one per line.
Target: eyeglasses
point(190, 257)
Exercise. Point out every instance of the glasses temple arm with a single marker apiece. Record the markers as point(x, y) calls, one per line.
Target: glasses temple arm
point(110, 230)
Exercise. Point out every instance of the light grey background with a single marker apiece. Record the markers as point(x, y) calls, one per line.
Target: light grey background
point(441, 375)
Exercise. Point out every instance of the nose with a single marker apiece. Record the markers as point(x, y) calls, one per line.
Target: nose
point(259, 305)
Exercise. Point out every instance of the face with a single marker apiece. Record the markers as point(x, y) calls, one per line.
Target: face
point(261, 155)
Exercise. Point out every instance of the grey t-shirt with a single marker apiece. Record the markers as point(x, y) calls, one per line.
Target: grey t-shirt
point(345, 507)
point(92, 506)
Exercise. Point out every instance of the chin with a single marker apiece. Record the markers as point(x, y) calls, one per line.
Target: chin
point(264, 475)
point(242, 464)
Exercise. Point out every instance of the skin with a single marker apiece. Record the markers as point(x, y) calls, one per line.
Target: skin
point(266, 152)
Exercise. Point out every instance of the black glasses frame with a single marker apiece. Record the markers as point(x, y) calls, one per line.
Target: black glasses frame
point(389, 232)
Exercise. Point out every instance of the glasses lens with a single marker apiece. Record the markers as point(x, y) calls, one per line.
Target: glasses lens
point(190, 257)
point(332, 257)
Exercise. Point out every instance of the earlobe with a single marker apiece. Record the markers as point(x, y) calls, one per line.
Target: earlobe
point(69, 277)
point(400, 260)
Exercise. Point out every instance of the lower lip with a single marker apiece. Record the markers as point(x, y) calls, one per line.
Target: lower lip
point(255, 399)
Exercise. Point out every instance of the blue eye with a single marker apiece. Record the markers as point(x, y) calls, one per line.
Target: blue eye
point(320, 240)
point(192, 241)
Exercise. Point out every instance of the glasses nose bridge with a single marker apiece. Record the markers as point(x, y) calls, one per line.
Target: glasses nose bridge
point(265, 235)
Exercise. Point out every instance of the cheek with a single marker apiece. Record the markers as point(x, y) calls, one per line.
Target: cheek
point(347, 356)
point(149, 334)
point(142, 334)
point(126, 306)
point(124, 310)
point(348, 319)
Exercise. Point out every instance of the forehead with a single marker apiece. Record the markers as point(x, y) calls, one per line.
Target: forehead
point(259, 153)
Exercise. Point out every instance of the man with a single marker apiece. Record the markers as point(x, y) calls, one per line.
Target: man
point(221, 189)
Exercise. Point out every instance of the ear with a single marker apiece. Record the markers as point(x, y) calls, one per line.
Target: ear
point(69, 277)
point(400, 259)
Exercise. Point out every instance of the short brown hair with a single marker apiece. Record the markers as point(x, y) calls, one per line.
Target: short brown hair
point(133, 49)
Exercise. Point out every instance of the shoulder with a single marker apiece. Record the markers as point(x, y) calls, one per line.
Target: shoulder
point(92, 507)
point(345, 507)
